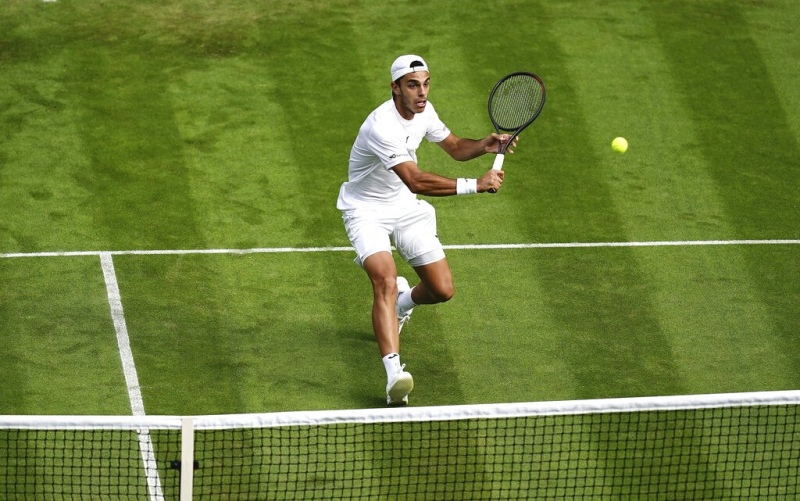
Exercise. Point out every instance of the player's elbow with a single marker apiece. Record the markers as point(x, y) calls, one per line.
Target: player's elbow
point(415, 186)
point(412, 177)
point(461, 155)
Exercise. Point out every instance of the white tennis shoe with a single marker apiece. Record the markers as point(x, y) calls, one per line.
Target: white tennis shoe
point(398, 387)
point(404, 316)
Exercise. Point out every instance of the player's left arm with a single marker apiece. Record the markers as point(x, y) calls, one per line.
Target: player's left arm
point(433, 185)
point(463, 149)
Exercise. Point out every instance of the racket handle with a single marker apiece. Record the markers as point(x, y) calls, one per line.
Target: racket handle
point(498, 161)
point(497, 165)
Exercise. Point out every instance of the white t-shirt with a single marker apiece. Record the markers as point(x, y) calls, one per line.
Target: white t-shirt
point(384, 140)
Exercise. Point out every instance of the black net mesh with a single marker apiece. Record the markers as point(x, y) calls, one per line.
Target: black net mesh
point(731, 453)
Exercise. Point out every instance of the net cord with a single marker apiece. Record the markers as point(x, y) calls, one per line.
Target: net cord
point(502, 410)
point(389, 415)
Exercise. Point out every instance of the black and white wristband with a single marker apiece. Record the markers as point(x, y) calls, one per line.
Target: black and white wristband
point(466, 186)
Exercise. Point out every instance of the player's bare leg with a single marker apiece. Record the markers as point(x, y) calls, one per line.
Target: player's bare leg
point(382, 273)
point(436, 283)
point(435, 286)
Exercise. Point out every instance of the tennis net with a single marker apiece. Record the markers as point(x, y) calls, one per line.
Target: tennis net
point(724, 446)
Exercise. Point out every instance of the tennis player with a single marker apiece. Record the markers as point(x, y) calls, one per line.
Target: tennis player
point(380, 208)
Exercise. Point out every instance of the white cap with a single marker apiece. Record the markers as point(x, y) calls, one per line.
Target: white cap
point(404, 65)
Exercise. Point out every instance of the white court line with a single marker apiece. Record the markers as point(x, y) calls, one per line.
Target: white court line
point(125, 353)
point(283, 250)
point(131, 377)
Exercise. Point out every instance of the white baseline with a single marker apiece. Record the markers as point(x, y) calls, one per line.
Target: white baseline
point(284, 250)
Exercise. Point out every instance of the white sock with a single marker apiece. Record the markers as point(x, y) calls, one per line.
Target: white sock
point(404, 302)
point(392, 364)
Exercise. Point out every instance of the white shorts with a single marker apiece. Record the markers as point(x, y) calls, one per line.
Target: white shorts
point(411, 229)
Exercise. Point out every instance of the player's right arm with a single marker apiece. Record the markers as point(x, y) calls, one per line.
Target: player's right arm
point(425, 183)
point(462, 149)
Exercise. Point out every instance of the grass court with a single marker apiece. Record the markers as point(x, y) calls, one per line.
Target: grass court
point(136, 129)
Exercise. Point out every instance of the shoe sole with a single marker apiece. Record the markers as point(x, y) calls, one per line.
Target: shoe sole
point(400, 390)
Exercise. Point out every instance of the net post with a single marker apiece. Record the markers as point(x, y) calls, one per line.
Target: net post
point(187, 458)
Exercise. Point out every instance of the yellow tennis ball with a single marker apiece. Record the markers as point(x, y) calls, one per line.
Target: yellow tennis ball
point(619, 144)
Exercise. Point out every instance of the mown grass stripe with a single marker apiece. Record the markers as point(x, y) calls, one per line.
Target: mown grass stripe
point(741, 128)
point(137, 175)
point(744, 136)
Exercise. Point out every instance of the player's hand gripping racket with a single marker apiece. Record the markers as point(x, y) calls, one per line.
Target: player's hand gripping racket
point(515, 102)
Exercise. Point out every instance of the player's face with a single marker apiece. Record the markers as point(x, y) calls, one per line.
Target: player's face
point(413, 93)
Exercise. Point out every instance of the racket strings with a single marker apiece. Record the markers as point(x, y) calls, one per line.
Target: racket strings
point(516, 101)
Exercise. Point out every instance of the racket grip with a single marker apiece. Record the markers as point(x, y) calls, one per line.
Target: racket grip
point(498, 161)
point(497, 165)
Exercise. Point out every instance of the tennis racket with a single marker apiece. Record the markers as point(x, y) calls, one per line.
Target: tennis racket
point(514, 103)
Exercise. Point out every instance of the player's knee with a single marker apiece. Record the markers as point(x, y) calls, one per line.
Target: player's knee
point(444, 292)
point(385, 286)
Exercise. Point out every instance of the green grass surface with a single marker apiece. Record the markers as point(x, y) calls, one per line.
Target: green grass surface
point(227, 125)
point(141, 126)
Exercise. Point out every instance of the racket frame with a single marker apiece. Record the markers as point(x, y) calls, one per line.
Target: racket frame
point(500, 157)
